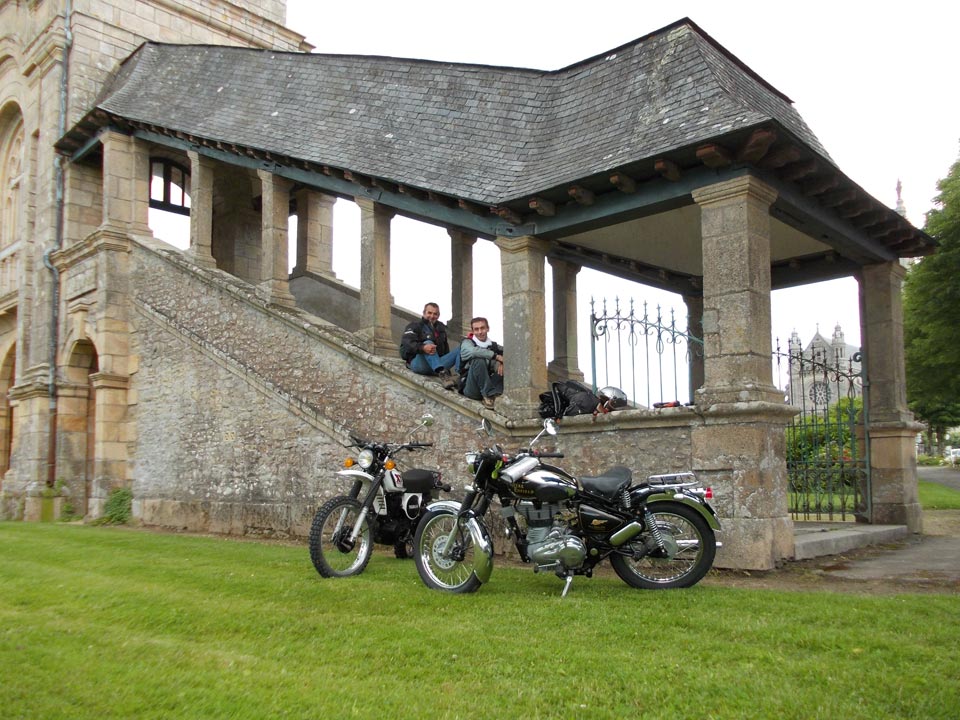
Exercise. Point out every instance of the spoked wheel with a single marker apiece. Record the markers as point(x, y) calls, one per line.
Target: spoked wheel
point(332, 551)
point(689, 549)
point(454, 572)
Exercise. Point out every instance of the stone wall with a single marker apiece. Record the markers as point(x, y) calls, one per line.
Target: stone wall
point(241, 409)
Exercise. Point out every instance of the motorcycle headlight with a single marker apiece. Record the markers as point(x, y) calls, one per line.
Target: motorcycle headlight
point(471, 459)
point(365, 459)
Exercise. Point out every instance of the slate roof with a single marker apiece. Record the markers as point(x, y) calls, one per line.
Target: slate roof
point(486, 134)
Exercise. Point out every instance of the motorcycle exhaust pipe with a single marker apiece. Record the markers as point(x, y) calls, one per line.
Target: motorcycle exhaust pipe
point(627, 532)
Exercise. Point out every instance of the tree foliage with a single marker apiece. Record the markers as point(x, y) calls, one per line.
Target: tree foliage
point(932, 315)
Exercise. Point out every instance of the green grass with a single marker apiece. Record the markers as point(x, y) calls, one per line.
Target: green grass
point(934, 496)
point(120, 623)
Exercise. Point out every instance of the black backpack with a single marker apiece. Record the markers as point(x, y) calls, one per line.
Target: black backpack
point(566, 398)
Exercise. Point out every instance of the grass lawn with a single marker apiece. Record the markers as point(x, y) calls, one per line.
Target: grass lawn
point(121, 623)
point(934, 496)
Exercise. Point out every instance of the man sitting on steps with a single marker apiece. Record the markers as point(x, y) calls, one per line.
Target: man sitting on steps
point(425, 349)
point(482, 362)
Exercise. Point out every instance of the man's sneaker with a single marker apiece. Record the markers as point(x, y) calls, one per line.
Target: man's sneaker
point(489, 402)
point(448, 379)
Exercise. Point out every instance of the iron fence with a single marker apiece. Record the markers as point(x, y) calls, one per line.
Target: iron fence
point(826, 443)
point(648, 356)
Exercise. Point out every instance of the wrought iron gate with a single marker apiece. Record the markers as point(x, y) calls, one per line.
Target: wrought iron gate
point(827, 446)
point(647, 356)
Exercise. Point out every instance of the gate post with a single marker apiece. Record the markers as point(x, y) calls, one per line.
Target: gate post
point(891, 428)
point(740, 449)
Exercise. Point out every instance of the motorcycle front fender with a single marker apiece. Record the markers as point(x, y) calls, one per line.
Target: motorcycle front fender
point(482, 544)
point(359, 477)
point(700, 507)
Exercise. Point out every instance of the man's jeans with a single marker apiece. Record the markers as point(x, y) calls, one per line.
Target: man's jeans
point(424, 364)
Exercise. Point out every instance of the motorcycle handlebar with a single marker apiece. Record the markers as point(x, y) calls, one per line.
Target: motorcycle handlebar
point(548, 454)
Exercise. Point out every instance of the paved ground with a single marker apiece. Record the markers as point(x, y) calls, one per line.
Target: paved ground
point(898, 563)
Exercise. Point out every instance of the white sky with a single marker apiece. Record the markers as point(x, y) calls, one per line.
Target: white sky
point(874, 81)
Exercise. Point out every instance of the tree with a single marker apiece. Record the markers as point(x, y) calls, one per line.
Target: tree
point(932, 316)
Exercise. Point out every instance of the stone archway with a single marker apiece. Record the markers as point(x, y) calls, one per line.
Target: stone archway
point(77, 427)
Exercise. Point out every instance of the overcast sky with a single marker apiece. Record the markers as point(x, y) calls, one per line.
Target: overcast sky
point(874, 81)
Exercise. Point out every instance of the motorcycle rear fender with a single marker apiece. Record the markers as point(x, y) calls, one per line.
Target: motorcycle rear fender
point(482, 544)
point(679, 497)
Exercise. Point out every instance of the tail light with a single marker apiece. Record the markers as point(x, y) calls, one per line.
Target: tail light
point(708, 494)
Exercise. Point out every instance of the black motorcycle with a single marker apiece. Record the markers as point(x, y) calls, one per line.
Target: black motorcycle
point(383, 507)
point(657, 534)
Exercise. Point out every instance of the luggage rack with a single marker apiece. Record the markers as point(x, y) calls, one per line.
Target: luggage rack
point(680, 479)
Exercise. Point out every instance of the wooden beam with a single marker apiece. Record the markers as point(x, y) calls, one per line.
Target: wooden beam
point(714, 156)
point(470, 207)
point(799, 170)
point(505, 213)
point(819, 184)
point(838, 197)
point(581, 195)
point(757, 146)
point(667, 168)
point(415, 193)
point(361, 180)
point(440, 199)
point(783, 155)
point(865, 220)
point(623, 182)
point(543, 206)
point(854, 209)
point(384, 185)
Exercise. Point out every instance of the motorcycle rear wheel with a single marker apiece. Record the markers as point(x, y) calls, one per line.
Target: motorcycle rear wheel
point(690, 549)
point(331, 551)
point(454, 574)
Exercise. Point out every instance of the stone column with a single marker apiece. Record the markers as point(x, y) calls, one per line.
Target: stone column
point(891, 429)
point(375, 300)
point(126, 183)
point(740, 448)
point(694, 305)
point(461, 272)
point(275, 212)
point(110, 461)
point(201, 210)
point(314, 233)
point(565, 363)
point(524, 320)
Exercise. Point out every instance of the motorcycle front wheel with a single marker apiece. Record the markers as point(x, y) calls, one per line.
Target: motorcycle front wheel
point(453, 573)
point(332, 552)
point(689, 549)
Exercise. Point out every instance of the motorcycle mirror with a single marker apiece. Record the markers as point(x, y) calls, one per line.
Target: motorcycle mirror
point(550, 426)
point(486, 427)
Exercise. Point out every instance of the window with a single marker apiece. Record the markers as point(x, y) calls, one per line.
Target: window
point(169, 186)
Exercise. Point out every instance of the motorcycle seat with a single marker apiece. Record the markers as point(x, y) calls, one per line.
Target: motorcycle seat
point(610, 483)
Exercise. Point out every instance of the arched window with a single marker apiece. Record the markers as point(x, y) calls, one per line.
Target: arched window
point(169, 186)
point(11, 180)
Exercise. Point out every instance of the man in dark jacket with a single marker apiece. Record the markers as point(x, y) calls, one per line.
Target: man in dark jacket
point(425, 349)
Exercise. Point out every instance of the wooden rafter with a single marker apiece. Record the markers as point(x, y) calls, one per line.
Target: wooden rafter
point(543, 206)
point(667, 169)
point(361, 180)
point(799, 170)
point(505, 213)
point(756, 146)
point(623, 182)
point(838, 197)
point(384, 185)
point(714, 156)
point(854, 209)
point(412, 192)
point(470, 207)
point(581, 195)
point(783, 155)
point(819, 184)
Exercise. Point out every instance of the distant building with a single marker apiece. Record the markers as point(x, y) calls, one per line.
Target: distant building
point(824, 371)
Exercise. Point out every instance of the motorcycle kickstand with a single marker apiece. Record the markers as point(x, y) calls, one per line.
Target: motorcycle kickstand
point(567, 580)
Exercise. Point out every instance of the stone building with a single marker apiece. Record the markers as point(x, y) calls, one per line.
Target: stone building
point(823, 371)
point(220, 388)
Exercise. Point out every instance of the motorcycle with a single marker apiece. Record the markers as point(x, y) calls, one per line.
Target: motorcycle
point(657, 534)
point(382, 507)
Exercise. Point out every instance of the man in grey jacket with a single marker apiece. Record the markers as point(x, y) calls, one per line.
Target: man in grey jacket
point(481, 364)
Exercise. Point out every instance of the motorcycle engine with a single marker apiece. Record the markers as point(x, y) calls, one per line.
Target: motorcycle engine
point(549, 539)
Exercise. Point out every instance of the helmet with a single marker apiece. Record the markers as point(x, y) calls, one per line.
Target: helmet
point(613, 397)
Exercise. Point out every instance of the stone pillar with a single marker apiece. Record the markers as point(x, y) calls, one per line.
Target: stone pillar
point(694, 305)
point(565, 363)
point(110, 461)
point(314, 233)
point(126, 183)
point(275, 213)
point(740, 448)
point(461, 272)
point(30, 468)
point(375, 300)
point(524, 320)
point(201, 210)
point(891, 429)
